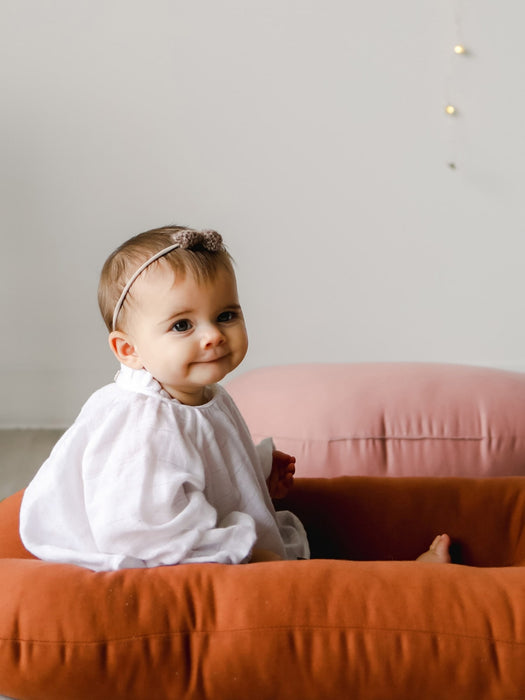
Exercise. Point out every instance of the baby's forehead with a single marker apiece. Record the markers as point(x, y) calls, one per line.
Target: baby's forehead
point(161, 279)
point(164, 272)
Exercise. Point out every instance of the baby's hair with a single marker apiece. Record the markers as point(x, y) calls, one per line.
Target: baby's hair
point(203, 264)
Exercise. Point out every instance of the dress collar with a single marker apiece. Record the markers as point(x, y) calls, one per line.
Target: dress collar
point(142, 382)
point(139, 380)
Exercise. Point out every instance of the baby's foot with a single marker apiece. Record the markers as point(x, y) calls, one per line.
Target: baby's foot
point(438, 552)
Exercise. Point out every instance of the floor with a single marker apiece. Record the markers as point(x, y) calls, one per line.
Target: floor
point(21, 454)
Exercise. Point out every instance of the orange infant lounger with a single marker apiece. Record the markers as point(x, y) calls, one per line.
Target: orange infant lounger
point(359, 620)
point(309, 629)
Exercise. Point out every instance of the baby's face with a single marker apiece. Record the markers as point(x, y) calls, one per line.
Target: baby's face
point(186, 334)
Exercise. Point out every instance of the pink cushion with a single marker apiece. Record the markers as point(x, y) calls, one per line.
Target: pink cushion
point(393, 419)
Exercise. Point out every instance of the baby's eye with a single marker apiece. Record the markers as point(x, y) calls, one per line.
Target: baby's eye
point(182, 326)
point(226, 316)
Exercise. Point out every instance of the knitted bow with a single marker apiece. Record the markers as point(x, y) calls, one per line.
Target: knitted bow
point(189, 238)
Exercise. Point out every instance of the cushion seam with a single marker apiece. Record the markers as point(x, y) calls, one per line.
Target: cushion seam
point(285, 629)
point(389, 437)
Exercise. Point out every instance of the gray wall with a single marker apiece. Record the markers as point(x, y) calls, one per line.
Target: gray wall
point(311, 134)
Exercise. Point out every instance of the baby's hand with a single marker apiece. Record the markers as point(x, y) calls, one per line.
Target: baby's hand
point(281, 477)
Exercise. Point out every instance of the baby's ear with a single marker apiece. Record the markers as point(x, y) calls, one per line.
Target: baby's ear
point(124, 350)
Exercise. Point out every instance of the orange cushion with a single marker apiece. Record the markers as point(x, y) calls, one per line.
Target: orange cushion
point(389, 419)
point(288, 630)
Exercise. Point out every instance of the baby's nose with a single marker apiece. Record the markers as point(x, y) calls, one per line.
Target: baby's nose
point(212, 337)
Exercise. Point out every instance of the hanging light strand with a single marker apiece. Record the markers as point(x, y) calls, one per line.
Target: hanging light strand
point(459, 50)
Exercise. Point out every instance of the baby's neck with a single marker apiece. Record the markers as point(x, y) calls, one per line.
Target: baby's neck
point(196, 398)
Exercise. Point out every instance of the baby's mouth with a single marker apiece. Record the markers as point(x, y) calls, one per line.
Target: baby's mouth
point(213, 359)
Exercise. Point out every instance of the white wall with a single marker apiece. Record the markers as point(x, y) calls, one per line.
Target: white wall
point(311, 134)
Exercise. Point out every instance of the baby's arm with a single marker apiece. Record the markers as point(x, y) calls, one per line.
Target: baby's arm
point(147, 498)
point(281, 476)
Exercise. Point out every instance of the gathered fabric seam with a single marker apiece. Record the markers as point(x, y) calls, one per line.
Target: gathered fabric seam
point(391, 437)
point(276, 628)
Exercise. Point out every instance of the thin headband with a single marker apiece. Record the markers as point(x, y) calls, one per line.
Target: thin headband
point(186, 239)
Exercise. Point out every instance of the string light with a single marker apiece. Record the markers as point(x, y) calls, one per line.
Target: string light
point(451, 110)
point(459, 50)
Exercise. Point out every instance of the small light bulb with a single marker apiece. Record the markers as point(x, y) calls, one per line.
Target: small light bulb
point(450, 109)
point(459, 49)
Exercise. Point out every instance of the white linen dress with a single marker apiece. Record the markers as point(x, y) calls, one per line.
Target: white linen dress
point(141, 480)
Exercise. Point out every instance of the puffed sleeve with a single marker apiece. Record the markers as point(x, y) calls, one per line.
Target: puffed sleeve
point(145, 498)
point(264, 451)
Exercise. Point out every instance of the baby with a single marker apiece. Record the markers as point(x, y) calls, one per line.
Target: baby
point(159, 467)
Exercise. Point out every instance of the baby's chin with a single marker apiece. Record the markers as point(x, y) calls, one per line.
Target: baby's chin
point(212, 371)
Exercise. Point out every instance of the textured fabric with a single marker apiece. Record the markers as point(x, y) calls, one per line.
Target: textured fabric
point(389, 419)
point(373, 630)
point(140, 480)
